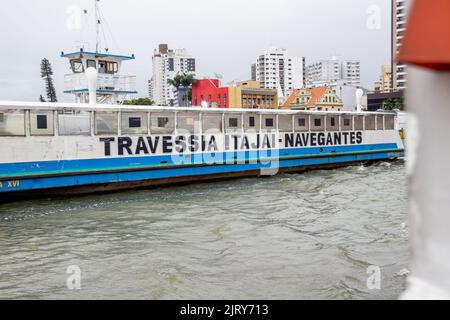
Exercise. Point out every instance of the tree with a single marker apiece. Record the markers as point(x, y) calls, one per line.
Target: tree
point(184, 80)
point(41, 98)
point(139, 102)
point(391, 104)
point(46, 74)
point(176, 81)
point(187, 80)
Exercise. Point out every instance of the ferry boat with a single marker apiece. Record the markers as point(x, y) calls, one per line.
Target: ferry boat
point(61, 149)
point(97, 145)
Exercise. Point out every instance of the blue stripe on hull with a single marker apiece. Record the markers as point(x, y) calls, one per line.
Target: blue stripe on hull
point(104, 178)
point(43, 167)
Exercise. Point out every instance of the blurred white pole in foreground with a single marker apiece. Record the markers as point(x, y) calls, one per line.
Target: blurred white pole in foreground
point(428, 162)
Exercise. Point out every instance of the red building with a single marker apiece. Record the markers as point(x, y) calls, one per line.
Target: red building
point(208, 90)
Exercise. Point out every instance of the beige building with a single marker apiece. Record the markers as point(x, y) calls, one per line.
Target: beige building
point(320, 99)
point(384, 85)
point(249, 95)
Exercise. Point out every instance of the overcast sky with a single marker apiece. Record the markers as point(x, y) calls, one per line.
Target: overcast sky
point(224, 36)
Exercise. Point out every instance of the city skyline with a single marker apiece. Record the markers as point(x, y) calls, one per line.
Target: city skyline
point(217, 35)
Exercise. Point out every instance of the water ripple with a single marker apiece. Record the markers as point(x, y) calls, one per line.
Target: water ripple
point(297, 236)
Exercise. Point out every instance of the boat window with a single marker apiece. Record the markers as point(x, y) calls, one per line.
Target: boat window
point(389, 122)
point(212, 122)
point(370, 122)
point(317, 123)
point(112, 67)
point(269, 122)
point(91, 64)
point(77, 66)
point(359, 123)
point(76, 123)
point(332, 123)
point(12, 123)
point(162, 122)
point(301, 123)
point(187, 122)
point(41, 123)
point(285, 123)
point(106, 123)
point(233, 122)
point(102, 67)
point(380, 123)
point(134, 123)
point(346, 123)
point(251, 121)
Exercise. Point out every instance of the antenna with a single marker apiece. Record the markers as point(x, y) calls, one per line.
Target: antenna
point(97, 25)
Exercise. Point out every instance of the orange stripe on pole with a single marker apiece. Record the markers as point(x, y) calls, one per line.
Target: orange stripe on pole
point(427, 36)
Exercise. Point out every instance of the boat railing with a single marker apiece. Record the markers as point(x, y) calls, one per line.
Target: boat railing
point(105, 82)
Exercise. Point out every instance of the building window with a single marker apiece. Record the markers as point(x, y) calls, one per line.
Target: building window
point(224, 100)
point(347, 122)
point(218, 100)
point(332, 122)
point(41, 121)
point(134, 122)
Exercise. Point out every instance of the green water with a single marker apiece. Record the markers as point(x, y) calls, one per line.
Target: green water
point(298, 236)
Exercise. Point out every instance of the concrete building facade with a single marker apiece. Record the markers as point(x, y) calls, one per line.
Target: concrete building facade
point(167, 63)
point(320, 99)
point(333, 72)
point(400, 9)
point(276, 69)
point(384, 84)
point(246, 94)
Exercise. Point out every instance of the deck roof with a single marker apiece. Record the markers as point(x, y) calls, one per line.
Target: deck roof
point(96, 55)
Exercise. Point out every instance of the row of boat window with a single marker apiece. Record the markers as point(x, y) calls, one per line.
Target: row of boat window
point(42, 123)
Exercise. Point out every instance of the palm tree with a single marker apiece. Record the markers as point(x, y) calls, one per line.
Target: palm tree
point(187, 80)
point(176, 81)
point(184, 80)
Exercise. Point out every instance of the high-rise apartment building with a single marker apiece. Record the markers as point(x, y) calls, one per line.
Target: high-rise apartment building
point(253, 72)
point(167, 64)
point(276, 69)
point(400, 10)
point(333, 72)
point(384, 84)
